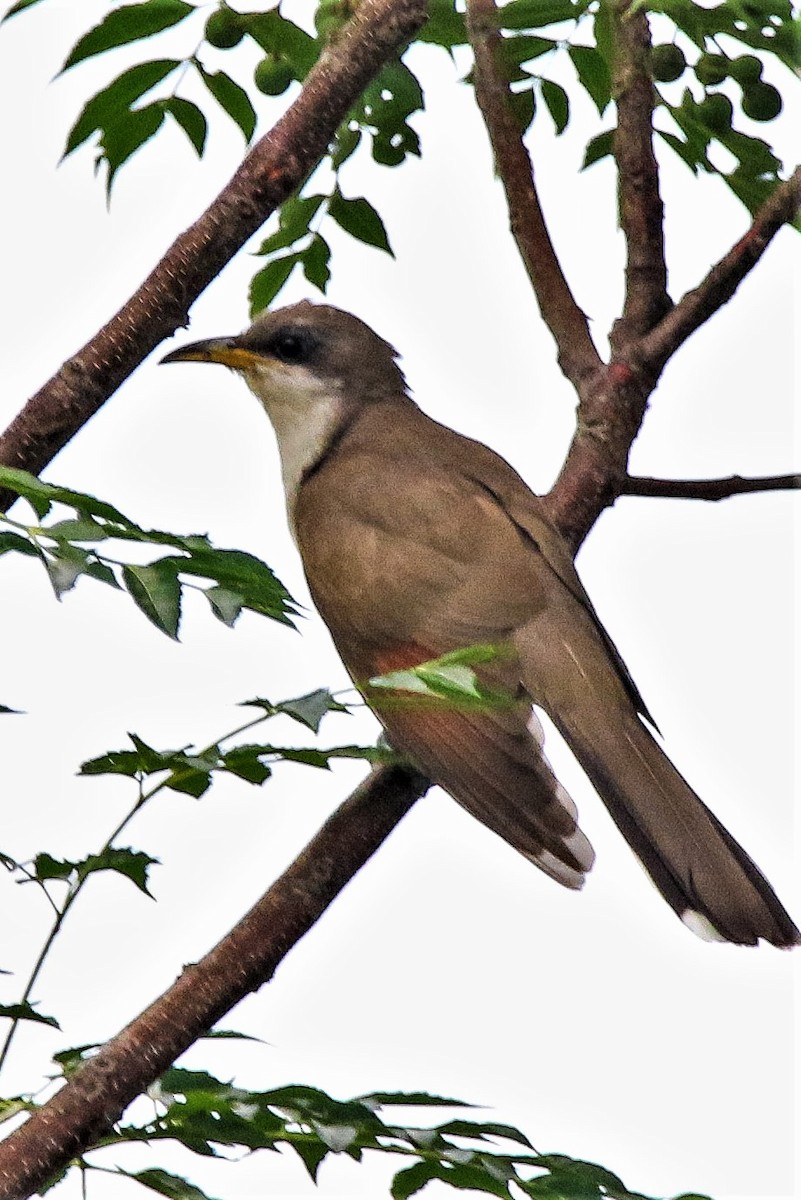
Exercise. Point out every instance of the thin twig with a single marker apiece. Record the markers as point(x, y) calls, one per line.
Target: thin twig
point(706, 489)
point(718, 287)
point(93, 1099)
point(641, 208)
point(578, 357)
point(276, 166)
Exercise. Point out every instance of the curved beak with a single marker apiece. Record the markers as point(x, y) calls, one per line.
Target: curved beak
point(224, 350)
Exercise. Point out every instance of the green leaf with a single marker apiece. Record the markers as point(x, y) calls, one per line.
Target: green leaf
point(449, 677)
point(41, 496)
point(78, 529)
point(311, 1154)
point(15, 541)
point(557, 103)
point(26, 1012)
point(593, 74)
point(294, 218)
point(466, 1176)
point(412, 1100)
point(128, 24)
point(133, 864)
point(267, 283)
point(20, 6)
point(225, 604)
point(157, 592)
point(239, 572)
point(358, 218)
point(120, 140)
point(309, 710)
point(275, 34)
point(46, 867)
point(101, 572)
point(230, 1035)
point(232, 98)
point(445, 25)
point(316, 258)
point(534, 14)
point(106, 107)
point(601, 146)
point(348, 137)
point(173, 1186)
point(64, 566)
point(190, 119)
point(116, 762)
point(245, 762)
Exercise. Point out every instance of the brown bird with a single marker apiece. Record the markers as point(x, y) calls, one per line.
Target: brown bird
point(417, 541)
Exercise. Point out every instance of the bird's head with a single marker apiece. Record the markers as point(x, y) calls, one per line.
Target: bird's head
point(313, 367)
point(292, 356)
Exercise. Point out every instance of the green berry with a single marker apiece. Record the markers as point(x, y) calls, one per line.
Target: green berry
point(273, 75)
point(716, 112)
point(667, 62)
point(746, 69)
point(712, 69)
point(224, 29)
point(761, 102)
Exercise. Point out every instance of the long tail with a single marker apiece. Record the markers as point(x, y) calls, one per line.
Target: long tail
point(702, 872)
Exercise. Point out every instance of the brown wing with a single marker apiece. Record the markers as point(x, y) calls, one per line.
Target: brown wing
point(407, 562)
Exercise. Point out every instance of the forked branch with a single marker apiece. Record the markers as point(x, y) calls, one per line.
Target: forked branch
point(718, 287)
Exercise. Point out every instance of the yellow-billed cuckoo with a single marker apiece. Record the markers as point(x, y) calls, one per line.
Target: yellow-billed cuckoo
point(417, 541)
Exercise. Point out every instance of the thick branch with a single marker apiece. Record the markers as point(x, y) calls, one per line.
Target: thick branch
point(706, 489)
point(641, 209)
point(722, 282)
point(578, 357)
point(96, 1096)
point(609, 418)
point(276, 166)
point(611, 410)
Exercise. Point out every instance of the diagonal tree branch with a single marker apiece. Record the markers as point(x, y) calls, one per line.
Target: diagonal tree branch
point(641, 209)
point(718, 287)
point(707, 489)
point(578, 357)
point(275, 167)
point(93, 1099)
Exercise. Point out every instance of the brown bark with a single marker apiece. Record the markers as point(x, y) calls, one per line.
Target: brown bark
point(578, 357)
point(707, 489)
point(641, 210)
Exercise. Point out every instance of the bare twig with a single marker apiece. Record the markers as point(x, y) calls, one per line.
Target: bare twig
point(276, 166)
point(578, 357)
point(722, 282)
point(706, 489)
point(93, 1099)
point(641, 209)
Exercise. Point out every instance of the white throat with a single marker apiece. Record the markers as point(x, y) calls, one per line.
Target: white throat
point(305, 414)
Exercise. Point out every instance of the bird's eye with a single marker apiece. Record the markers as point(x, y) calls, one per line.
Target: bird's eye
point(290, 348)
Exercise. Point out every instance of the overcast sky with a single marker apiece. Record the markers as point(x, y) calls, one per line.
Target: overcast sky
point(595, 1022)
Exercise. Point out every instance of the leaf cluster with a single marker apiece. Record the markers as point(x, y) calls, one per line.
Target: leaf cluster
point(206, 1115)
point(69, 549)
point(706, 43)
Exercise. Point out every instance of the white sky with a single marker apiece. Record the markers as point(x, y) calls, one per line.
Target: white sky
point(594, 1022)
